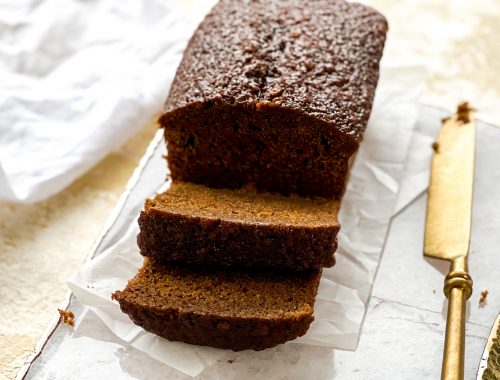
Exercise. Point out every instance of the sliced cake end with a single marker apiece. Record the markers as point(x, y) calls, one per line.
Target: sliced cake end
point(229, 309)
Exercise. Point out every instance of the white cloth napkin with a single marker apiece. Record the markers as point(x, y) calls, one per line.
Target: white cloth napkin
point(77, 78)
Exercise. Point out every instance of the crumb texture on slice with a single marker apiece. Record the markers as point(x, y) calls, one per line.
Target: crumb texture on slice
point(230, 309)
point(196, 224)
point(246, 205)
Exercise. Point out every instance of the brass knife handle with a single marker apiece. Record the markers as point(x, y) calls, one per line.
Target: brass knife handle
point(457, 288)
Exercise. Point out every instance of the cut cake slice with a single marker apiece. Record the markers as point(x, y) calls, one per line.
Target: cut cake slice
point(228, 309)
point(196, 224)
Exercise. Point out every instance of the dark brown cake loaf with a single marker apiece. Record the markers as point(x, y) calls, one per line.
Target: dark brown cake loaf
point(234, 310)
point(196, 224)
point(274, 93)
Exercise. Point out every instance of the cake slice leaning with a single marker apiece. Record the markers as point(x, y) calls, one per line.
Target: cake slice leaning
point(228, 309)
point(196, 224)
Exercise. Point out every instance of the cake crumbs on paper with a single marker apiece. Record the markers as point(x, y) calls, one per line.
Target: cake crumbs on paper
point(463, 112)
point(435, 146)
point(483, 297)
point(67, 317)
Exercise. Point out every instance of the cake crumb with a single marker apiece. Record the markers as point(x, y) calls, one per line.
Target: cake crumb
point(67, 317)
point(230, 361)
point(463, 112)
point(435, 146)
point(484, 296)
point(445, 119)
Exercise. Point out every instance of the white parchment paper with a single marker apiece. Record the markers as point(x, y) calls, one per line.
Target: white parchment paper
point(77, 79)
point(344, 290)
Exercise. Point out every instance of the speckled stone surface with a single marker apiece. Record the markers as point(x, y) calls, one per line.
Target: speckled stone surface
point(39, 250)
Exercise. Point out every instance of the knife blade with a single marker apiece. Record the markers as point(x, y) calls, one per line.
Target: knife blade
point(448, 223)
point(449, 206)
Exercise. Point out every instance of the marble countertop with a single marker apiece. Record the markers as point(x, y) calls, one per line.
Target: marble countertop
point(455, 41)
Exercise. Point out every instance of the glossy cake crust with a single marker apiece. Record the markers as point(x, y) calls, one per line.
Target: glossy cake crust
point(276, 94)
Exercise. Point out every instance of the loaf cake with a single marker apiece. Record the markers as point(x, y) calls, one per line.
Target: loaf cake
point(263, 119)
point(196, 224)
point(274, 94)
point(230, 309)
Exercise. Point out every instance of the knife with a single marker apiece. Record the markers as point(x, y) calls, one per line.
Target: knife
point(447, 229)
